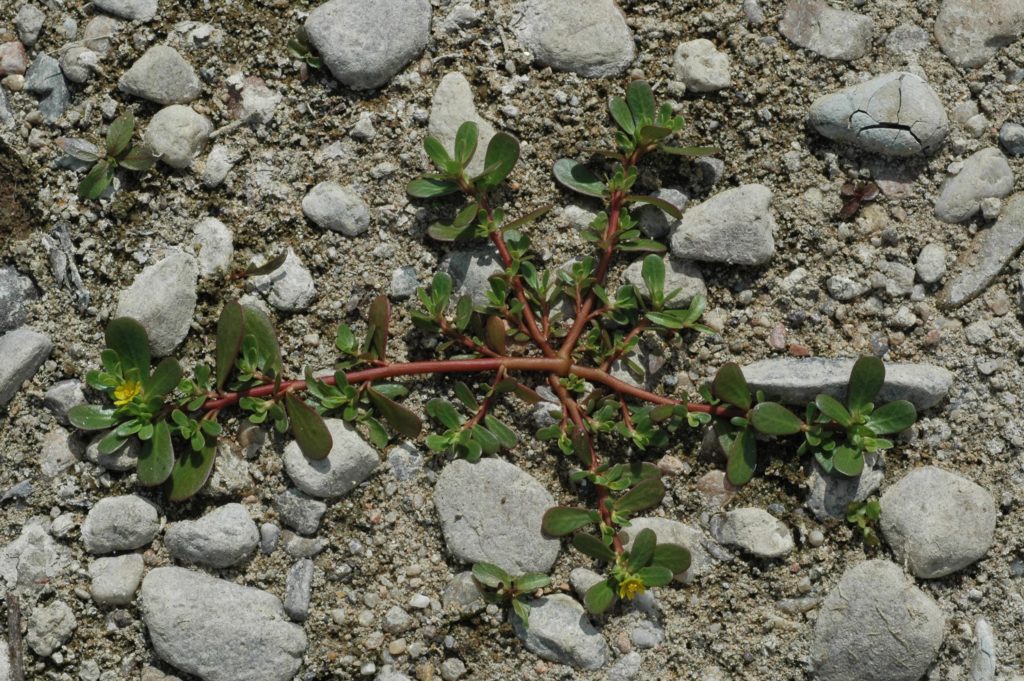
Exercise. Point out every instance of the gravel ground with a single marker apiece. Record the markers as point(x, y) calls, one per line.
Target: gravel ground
point(744, 618)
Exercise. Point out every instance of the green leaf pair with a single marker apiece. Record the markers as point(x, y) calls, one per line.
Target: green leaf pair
point(119, 153)
point(499, 159)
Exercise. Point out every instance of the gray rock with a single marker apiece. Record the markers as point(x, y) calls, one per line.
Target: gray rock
point(931, 263)
point(176, 134)
point(874, 601)
point(79, 63)
point(625, 668)
point(404, 283)
point(298, 588)
point(350, 462)
point(28, 22)
point(734, 226)
point(61, 397)
point(214, 246)
point(906, 39)
point(365, 44)
point(896, 278)
point(251, 100)
point(397, 620)
point(462, 596)
point(231, 476)
point(115, 579)
point(50, 627)
point(1011, 136)
point(477, 529)
point(800, 380)
point(337, 208)
point(829, 495)
point(99, 33)
point(223, 537)
point(44, 79)
point(679, 274)
point(299, 512)
point(120, 524)
point(832, 33)
point(34, 559)
point(673, 532)
point(161, 75)
point(647, 634)
point(289, 288)
point(363, 130)
point(590, 38)
point(452, 106)
point(15, 291)
point(582, 579)
point(270, 534)
point(405, 461)
point(217, 630)
point(132, 10)
point(163, 299)
point(937, 522)
point(124, 459)
point(983, 662)
point(702, 67)
point(843, 288)
point(219, 163)
point(895, 114)
point(656, 223)
point(56, 455)
point(985, 174)
point(22, 352)
point(970, 32)
point(453, 668)
point(992, 249)
point(755, 531)
point(13, 60)
point(561, 632)
point(470, 272)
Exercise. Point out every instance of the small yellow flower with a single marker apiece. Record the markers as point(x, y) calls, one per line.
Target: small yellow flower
point(126, 392)
point(631, 587)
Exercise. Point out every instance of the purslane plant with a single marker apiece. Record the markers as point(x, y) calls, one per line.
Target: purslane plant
point(120, 152)
point(562, 329)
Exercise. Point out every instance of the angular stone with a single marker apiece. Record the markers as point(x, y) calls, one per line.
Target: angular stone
point(34, 559)
point(756, 531)
point(672, 532)
point(163, 299)
point(350, 462)
point(588, 37)
point(120, 524)
point(176, 134)
point(1011, 136)
point(985, 174)
point(561, 632)
point(22, 352)
point(895, 114)
point(15, 291)
point(161, 75)
point(115, 579)
point(365, 44)
point(218, 630)
point(223, 537)
point(992, 249)
point(829, 495)
point(452, 106)
point(874, 601)
point(50, 627)
point(298, 589)
point(832, 33)
point(337, 208)
point(471, 271)
point(28, 22)
point(214, 246)
point(702, 67)
point(298, 511)
point(132, 10)
point(937, 522)
point(800, 380)
point(479, 529)
point(735, 226)
point(679, 275)
point(289, 288)
point(462, 596)
point(970, 32)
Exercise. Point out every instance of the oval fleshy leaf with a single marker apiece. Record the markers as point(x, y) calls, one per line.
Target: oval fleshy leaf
point(531, 581)
point(645, 494)
point(190, 472)
point(832, 408)
point(230, 332)
point(91, 417)
point(673, 557)
point(430, 187)
point(502, 155)
point(731, 386)
point(655, 575)
point(258, 325)
point(579, 178)
point(405, 422)
point(165, 378)
point(848, 461)
point(893, 417)
point(119, 134)
point(156, 460)
point(592, 546)
point(561, 520)
point(866, 379)
point(308, 427)
point(495, 335)
point(490, 575)
point(741, 458)
point(599, 597)
point(378, 320)
point(622, 115)
point(771, 418)
point(465, 142)
point(128, 339)
point(642, 553)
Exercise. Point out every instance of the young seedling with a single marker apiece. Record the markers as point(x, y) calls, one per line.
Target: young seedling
point(521, 339)
point(500, 587)
point(865, 515)
point(300, 49)
point(120, 153)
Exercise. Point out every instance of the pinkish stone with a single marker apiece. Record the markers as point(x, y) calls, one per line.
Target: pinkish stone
point(13, 59)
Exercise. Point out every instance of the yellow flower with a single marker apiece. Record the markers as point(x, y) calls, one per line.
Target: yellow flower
point(631, 587)
point(126, 392)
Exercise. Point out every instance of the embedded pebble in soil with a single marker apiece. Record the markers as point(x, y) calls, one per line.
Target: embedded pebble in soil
point(832, 33)
point(735, 226)
point(985, 174)
point(22, 351)
point(161, 75)
point(589, 38)
point(971, 32)
point(120, 523)
point(223, 537)
point(163, 299)
point(755, 531)
point(452, 106)
point(350, 461)
point(560, 631)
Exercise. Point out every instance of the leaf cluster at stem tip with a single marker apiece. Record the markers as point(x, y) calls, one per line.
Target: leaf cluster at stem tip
point(120, 153)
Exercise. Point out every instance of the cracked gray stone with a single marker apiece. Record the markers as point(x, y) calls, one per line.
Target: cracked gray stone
point(971, 32)
point(702, 67)
point(985, 174)
point(832, 33)
point(50, 627)
point(875, 601)
point(895, 114)
point(223, 537)
point(991, 250)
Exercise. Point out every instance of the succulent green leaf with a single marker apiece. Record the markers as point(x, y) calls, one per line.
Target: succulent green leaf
point(437, 153)
point(111, 442)
point(431, 187)
point(258, 325)
point(655, 575)
point(592, 546)
point(165, 378)
point(645, 494)
point(600, 597)
point(308, 427)
point(848, 461)
point(528, 218)
point(522, 611)
point(190, 472)
point(622, 115)
point(741, 458)
point(771, 418)
point(91, 417)
point(655, 201)
point(444, 413)
point(561, 521)
point(866, 379)
point(653, 273)
point(893, 417)
point(488, 443)
point(465, 395)
point(465, 142)
point(502, 155)
point(379, 320)
point(579, 178)
point(404, 421)
point(230, 332)
point(156, 460)
point(490, 575)
point(128, 339)
point(641, 102)
point(98, 179)
point(653, 133)
point(138, 158)
point(673, 557)
point(495, 335)
point(505, 435)
point(463, 312)
point(642, 552)
point(731, 386)
point(119, 135)
point(832, 408)
point(531, 581)
point(641, 246)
